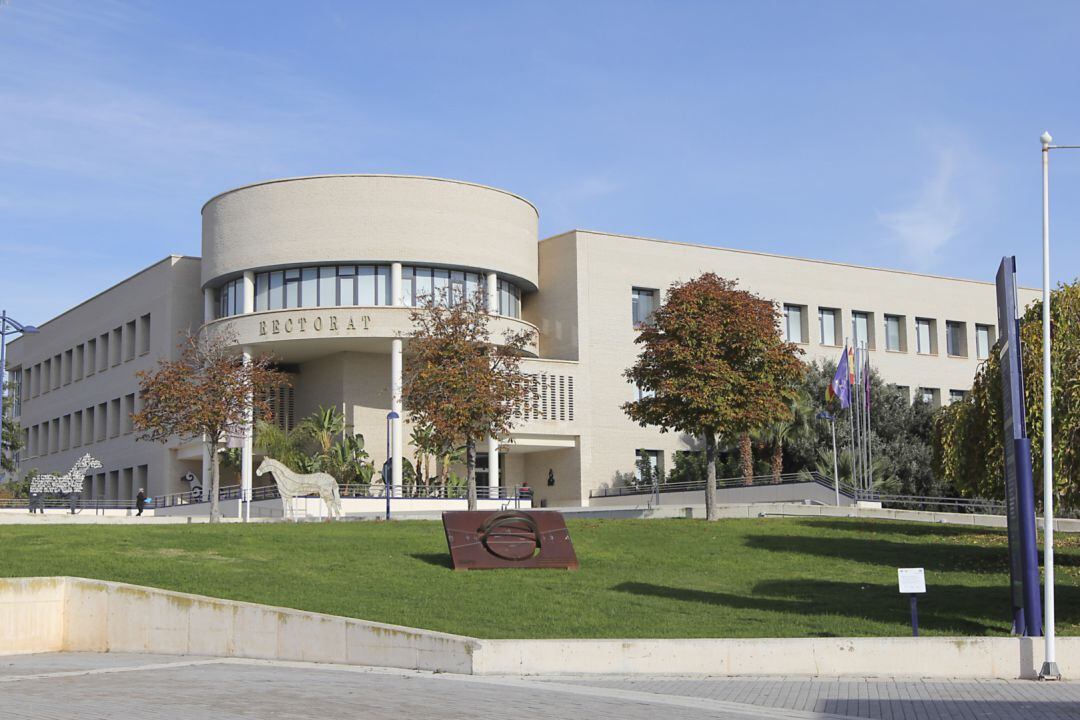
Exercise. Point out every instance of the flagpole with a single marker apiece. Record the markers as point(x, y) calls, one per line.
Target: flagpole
point(869, 412)
point(851, 418)
point(858, 417)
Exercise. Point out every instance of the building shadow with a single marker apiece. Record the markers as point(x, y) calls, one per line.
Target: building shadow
point(946, 609)
point(897, 527)
point(890, 553)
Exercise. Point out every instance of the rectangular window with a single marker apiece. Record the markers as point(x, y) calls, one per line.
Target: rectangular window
point(408, 296)
point(473, 287)
point(262, 292)
point(46, 376)
point(983, 341)
point(905, 392)
point(101, 419)
point(144, 334)
point(69, 356)
point(277, 290)
point(79, 361)
point(129, 410)
point(114, 417)
point(924, 336)
point(862, 329)
point(129, 340)
point(365, 285)
point(424, 284)
point(346, 284)
point(382, 286)
point(88, 425)
point(793, 323)
point(327, 286)
point(116, 346)
point(292, 288)
point(77, 428)
point(649, 467)
point(35, 389)
point(894, 333)
point(930, 396)
point(956, 395)
point(642, 305)
point(54, 436)
point(309, 287)
point(828, 319)
point(440, 283)
point(956, 338)
point(65, 432)
point(457, 286)
point(91, 356)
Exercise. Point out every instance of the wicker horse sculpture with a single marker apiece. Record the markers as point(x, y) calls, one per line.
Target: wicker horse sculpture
point(72, 482)
point(291, 485)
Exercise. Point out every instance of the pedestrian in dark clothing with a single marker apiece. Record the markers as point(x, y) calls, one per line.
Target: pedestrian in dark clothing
point(140, 501)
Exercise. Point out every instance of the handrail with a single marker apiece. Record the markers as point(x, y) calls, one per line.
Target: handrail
point(722, 483)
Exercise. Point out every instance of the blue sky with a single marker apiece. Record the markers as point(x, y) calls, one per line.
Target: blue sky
point(902, 135)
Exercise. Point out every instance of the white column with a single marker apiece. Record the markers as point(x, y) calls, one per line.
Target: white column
point(395, 384)
point(493, 467)
point(493, 292)
point(209, 311)
point(247, 449)
point(493, 442)
point(249, 292)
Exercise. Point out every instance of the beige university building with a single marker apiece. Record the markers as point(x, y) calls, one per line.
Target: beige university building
point(321, 272)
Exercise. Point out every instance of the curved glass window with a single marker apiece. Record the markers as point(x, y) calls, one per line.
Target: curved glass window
point(323, 286)
point(361, 285)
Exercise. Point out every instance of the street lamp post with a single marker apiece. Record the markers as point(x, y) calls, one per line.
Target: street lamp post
point(8, 326)
point(1049, 667)
point(823, 415)
point(388, 482)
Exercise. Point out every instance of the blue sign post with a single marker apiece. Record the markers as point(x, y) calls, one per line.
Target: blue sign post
point(1019, 488)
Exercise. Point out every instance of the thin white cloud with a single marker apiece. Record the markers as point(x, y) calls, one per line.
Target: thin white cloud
point(934, 218)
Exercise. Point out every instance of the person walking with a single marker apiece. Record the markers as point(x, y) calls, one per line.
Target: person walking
point(140, 501)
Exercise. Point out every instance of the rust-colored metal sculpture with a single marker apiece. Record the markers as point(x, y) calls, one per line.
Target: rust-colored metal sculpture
point(485, 540)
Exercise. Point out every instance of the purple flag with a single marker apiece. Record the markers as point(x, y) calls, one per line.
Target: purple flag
point(840, 387)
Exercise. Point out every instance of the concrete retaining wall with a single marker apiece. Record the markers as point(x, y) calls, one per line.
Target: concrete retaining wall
point(78, 615)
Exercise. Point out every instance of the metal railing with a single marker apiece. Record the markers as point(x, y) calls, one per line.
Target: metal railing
point(373, 490)
point(721, 484)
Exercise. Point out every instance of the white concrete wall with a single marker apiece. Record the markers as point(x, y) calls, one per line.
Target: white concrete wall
point(78, 615)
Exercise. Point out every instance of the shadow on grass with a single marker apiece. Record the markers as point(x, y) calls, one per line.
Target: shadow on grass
point(437, 559)
point(940, 557)
point(947, 609)
point(898, 527)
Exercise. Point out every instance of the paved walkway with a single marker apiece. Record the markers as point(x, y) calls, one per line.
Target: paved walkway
point(155, 687)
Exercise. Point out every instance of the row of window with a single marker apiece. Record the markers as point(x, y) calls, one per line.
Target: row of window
point(895, 332)
point(85, 359)
point(360, 285)
point(96, 423)
point(643, 302)
point(116, 484)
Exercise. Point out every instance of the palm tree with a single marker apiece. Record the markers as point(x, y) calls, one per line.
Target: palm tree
point(800, 425)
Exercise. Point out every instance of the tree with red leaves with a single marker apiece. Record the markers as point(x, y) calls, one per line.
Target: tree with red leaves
point(713, 363)
point(206, 393)
point(459, 385)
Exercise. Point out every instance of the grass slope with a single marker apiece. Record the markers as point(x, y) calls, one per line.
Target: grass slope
point(656, 578)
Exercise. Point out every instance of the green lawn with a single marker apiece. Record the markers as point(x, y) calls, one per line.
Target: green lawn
point(656, 578)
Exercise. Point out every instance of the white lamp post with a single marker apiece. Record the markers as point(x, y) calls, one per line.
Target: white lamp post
point(1049, 667)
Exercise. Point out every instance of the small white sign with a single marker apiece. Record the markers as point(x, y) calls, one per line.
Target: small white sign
point(912, 580)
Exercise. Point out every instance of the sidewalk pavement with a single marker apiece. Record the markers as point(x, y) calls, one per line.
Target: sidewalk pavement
point(156, 687)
